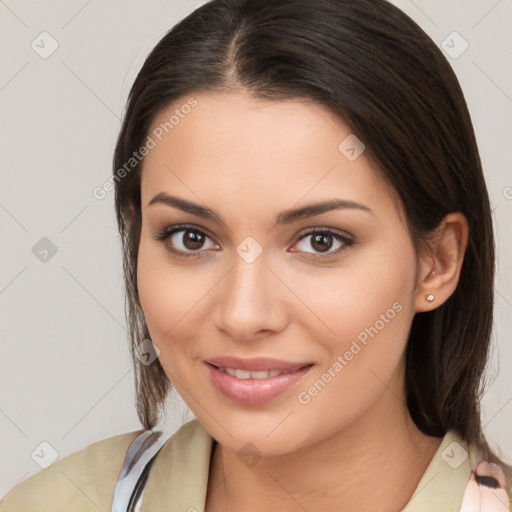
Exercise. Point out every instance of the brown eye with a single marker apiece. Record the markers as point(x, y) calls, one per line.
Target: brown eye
point(322, 241)
point(185, 241)
point(192, 240)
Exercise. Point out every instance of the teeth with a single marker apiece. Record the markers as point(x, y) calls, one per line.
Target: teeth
point(259, 375)
point(244, 374)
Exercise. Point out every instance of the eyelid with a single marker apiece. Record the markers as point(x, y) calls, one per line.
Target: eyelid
point(332, 231)
point(169, 230)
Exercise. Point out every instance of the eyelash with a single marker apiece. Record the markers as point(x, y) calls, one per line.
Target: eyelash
point(167, 232)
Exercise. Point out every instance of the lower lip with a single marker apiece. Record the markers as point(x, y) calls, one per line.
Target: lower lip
point(254, 391)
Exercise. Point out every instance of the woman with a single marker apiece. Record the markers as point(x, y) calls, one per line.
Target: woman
point(309, 262)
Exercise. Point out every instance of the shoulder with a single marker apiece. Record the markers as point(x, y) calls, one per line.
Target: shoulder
point(83, 481)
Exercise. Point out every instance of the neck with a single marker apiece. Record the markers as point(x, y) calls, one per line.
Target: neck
point(379, 459)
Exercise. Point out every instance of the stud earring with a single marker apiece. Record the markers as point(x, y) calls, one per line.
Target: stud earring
point(430, 297)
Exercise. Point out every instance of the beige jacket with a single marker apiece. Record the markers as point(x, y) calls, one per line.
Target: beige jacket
point(85, 481)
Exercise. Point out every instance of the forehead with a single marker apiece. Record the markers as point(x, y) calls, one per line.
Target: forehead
point(248, 151)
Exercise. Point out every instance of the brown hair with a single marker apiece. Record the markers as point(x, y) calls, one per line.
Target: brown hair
point(375, 67)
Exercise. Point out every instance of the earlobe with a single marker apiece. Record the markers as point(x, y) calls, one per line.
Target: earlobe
point(439, 273)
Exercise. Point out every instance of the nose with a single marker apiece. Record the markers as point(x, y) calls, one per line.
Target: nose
point(250, 303)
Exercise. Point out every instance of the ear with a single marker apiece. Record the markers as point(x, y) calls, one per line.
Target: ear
point(440, 270)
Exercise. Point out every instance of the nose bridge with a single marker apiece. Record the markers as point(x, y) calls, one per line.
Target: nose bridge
point(248, 280)
point(248, 302)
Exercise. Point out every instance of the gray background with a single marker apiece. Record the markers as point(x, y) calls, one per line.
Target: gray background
point(66, 377)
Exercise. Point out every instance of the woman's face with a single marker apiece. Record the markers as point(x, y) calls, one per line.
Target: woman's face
point(334, 309)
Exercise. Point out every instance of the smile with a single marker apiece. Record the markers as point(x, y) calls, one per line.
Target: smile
point(254, 387)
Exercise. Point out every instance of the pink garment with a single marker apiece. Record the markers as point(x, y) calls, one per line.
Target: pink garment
point(486, 491)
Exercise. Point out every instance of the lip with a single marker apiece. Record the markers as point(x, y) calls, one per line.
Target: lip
point(256, 364)
point(256, 391)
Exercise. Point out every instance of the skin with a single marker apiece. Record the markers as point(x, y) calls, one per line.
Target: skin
point(248, 160)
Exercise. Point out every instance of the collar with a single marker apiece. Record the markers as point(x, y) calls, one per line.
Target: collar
point(178, 479)
point(444, 482)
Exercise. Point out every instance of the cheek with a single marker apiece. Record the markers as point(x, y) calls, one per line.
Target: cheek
point(370, 295)
point(368, 307)
point(166, 294)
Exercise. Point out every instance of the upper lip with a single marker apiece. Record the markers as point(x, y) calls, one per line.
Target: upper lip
point(255, 364)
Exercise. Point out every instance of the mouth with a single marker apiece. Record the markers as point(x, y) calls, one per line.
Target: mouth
point(256, 386)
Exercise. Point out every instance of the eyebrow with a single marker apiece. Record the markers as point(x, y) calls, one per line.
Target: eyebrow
point(284, 217)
